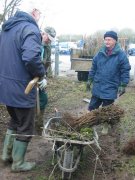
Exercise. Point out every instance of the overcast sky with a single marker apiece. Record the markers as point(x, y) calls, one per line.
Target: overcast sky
point(86, 16)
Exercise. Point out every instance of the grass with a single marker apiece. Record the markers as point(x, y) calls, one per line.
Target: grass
point(127, 125)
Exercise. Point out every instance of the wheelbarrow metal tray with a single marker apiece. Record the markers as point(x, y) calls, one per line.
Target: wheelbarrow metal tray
point(46, 134)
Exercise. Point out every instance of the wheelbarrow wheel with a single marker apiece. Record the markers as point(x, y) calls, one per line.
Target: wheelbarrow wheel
point(68, 159)
point(67, 163)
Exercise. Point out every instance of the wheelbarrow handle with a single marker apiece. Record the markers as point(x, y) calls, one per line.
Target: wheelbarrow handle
point(31, 85)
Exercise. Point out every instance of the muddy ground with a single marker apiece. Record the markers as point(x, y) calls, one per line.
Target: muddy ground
point(66, 94)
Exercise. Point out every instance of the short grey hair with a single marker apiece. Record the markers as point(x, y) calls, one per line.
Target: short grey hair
point(28, 6)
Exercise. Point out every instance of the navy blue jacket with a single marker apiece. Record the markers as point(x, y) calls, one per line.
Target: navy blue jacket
point(20, 60)
point(109, 72)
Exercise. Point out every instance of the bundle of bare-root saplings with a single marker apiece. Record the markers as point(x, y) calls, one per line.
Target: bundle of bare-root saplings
point(80, 128)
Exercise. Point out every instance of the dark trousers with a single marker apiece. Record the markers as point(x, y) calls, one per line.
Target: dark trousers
point(95, 102)
point(22, 121)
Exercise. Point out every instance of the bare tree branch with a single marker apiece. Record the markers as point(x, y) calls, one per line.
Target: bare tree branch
point(9, 9)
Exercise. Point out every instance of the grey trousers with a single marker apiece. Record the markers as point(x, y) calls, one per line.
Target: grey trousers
point(22, 121)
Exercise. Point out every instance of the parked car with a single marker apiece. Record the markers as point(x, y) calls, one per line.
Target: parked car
point(131, 57)
point(64, 48)
point(54, 44)
point(53, 48)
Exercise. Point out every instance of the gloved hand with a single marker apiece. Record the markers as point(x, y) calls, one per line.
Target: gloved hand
point(42, 84)
point(122, 89)
point(88, 84)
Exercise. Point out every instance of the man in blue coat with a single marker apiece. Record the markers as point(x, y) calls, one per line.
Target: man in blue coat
point(109, 73)
point(20, 62)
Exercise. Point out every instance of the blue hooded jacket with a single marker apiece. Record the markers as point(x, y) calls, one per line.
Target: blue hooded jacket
point(20, 60)
point(109, 72)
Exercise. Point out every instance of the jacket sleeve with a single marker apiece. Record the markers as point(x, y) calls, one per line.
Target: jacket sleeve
point(93, 69)
point(47, 56)
point(47, 53)
point(124, 69)
point(31, 54)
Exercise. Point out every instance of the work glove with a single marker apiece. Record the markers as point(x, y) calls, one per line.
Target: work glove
point(42, 84)
point(88, 84)
point(122, 89)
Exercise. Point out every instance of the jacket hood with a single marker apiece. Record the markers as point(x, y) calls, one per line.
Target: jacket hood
point(16, 19)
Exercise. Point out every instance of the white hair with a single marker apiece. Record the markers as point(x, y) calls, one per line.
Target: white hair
point(29, 5)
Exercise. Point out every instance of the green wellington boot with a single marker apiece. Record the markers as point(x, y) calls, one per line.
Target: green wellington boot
point(18, 154)
point(8, 146)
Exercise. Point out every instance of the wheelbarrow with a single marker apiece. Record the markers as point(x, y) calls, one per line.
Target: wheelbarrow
point(68, 151)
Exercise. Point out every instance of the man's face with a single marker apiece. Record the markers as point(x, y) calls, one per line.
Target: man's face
point(45, 38)
point(109, 42)
point(36, 14)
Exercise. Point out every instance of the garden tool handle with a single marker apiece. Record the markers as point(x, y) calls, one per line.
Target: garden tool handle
point(31, 85)
point(38, 102)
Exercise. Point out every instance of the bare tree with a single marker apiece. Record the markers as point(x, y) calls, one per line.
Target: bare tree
point(9, 7)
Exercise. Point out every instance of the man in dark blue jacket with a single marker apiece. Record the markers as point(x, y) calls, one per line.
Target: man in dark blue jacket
point(109, 73)
point(20, 62)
